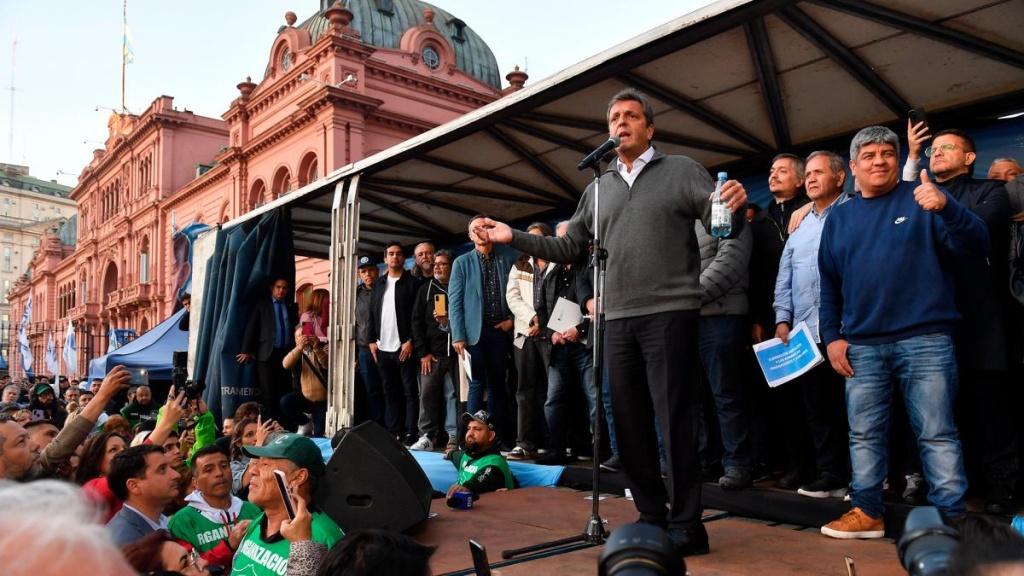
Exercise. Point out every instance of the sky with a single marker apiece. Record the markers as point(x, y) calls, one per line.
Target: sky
point(66, 65)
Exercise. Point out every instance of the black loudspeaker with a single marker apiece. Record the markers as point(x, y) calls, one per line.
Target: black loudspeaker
point(373, 482)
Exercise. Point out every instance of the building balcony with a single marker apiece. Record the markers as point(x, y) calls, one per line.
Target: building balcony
point(88, 311)
point(137, 296)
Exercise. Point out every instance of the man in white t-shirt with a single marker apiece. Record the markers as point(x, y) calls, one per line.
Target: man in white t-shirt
point(392, 347)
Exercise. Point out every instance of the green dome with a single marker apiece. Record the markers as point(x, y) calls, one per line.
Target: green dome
point(382, 23)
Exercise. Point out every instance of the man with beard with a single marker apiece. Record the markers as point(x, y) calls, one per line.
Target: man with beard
point(19, 454)
point(214, 521)
point(141, 408)
point(481, 466)
point(44, 405)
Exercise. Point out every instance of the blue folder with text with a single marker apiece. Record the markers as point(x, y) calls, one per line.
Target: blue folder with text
point(784, 362)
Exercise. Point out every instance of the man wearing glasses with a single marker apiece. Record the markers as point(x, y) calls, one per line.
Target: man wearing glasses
point(432, 338)
point(980, 290)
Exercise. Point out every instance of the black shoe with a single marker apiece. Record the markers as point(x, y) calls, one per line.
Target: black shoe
point(826, 486)
point(690, 542)
point(760, 473)
point(612, 464)
point(1000, 501)
point(791, 480)
point(735, 479)
point(410, 439)
point(551, 459)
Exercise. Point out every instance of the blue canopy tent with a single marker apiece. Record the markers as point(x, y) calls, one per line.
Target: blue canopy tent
point(152, 351)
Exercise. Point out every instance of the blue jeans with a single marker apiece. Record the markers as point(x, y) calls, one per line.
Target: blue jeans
point(924, 367)
point(490, 361)
point(569, 363)
point(720, 343)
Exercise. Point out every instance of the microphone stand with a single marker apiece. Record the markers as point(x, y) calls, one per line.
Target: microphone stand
point(594, 533)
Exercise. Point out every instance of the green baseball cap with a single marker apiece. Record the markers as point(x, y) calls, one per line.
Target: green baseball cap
point(297, 449)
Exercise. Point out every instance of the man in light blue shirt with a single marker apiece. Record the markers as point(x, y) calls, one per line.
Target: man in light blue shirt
point(797, 297)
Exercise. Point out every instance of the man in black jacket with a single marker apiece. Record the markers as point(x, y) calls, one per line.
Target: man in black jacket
point(432, 339)
point(391, 344)
point(572, 358)
point(982, 297)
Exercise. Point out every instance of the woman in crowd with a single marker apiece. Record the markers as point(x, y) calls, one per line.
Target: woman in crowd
point(316, 313)
point(309, 358)
point(159, 551)
point(97, 453)
point(247, 432)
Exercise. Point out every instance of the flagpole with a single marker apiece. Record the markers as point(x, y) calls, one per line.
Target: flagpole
point(124, 50)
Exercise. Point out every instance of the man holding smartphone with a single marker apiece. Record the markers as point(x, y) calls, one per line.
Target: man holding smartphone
point(432, 340)
point(264, 550)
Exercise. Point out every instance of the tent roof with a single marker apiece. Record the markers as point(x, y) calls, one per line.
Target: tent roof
point(731, 84)
point(151, 351)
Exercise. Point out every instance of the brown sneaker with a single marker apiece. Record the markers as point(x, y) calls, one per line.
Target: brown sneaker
point(855, 524)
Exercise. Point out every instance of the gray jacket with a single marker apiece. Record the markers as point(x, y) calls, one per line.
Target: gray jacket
point(724, 272)
point(648, 232)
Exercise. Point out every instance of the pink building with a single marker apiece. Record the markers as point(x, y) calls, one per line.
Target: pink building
point(342, 85)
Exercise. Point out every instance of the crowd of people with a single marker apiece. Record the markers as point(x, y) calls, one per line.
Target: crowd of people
point(906, 285)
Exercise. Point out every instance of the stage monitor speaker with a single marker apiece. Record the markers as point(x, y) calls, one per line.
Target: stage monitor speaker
point(373, 482)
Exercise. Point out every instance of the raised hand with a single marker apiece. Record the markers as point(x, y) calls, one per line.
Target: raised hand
point(928, 195)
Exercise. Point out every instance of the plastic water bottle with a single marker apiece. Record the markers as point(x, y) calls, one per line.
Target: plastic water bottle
point(721, 217)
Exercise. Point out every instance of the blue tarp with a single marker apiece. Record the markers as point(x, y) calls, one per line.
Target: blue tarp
point(442, 473)
point(152, 351)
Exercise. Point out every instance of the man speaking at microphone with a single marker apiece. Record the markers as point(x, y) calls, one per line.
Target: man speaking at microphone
point(648, 205)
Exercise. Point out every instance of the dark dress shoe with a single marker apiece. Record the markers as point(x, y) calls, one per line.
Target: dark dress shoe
point(691, 541)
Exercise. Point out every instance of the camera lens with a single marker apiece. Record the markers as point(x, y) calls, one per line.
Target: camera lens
point(640, 550)
point(926, 543)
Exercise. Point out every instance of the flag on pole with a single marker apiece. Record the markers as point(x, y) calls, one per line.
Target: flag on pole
point(26, 351)
point(52, 364)
point(113, 344)
point(127, 52)
point(70, 353)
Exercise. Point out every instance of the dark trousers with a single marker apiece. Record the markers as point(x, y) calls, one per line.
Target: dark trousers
point(371, 382)
point(721, 345)
point(530, 393)
point(432, 397)
point(653, 370)
point(490, 361)
point(982, 414)
point(401, 392)
point(824, 393)
point(296, 406)
point(275, 381)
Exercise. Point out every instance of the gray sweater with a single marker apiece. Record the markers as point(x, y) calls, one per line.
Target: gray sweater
point(653, 257)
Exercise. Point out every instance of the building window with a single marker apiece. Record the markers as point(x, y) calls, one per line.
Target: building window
point(7, 290)
point(386, 7)
point(459, 30)
point(7, 259)
point(57, 210)
point(431, 58)
point(35, 212)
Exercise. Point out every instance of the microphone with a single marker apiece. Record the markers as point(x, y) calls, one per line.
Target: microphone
point(595, 156)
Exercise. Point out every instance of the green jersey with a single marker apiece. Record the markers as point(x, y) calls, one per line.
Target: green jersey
point(203, 533)
point(259, 557)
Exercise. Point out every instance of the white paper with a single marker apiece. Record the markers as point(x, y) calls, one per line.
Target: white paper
point(467, 364)
point(782, 363)
point(565, 315)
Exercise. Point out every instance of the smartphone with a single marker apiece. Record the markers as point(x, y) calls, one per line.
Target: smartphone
point(307, 329)
point(282, 487)
point(140, 377)
point(480, 564)
point(917, 116)
point(440, 305)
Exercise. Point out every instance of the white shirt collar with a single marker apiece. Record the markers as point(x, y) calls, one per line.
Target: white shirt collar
point(638, 165)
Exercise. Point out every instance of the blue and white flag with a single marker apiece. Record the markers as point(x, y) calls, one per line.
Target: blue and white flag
point(70, 352)
point(26, 351)
point(113, 344)
point(52, 364)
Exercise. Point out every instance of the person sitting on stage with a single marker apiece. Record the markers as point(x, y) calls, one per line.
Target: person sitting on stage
point(481, 466)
